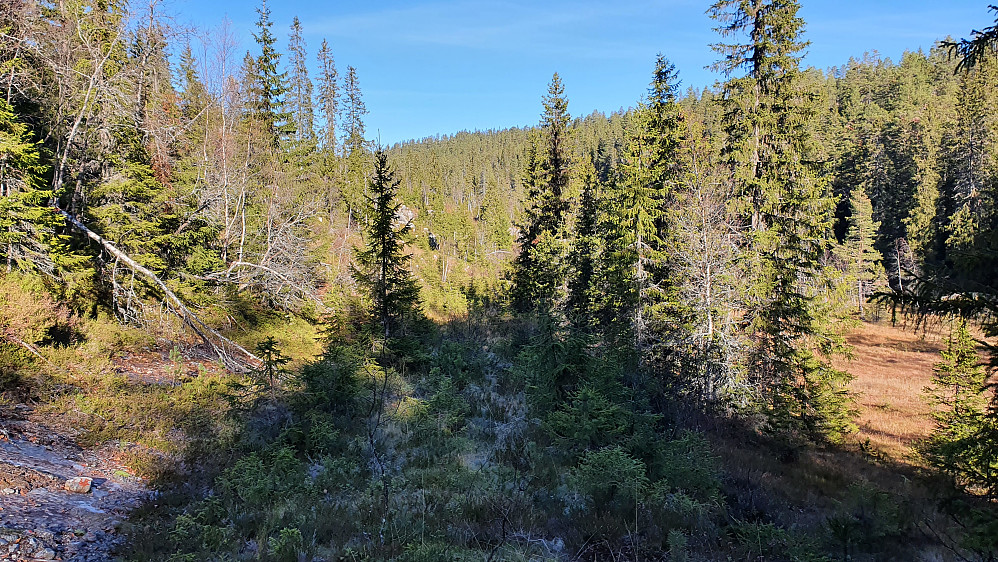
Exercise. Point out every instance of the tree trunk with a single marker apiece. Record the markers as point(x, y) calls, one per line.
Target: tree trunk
point(184, 313)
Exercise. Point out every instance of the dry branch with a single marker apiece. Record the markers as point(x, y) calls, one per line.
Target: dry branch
point(189, 318)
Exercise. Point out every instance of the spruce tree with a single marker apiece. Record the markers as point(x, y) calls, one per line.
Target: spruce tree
point(352, 118)
point(584, 256)
point(382, 267)
point(328, 97)
point(769, 116)
point(958, 395)
point(300, 87)
point(268, 85)
point(969, 190)
point(26, 221)
point(863, 261)
point(354, 145)
point(539, 269)
point(639, 225)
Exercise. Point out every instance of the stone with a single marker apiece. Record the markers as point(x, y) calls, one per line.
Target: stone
point(45, 554)
point(79, 485)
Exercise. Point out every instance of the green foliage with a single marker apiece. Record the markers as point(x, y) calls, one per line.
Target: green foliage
point(552, 366)
point(771, 542)
point(609, 480)
point(588, 421)
point(866, 520)
point(982, 45)
point(273, 369)
point(269, 85)
point(686, 284)
point(382, 267)
point(769, 119)
point(286, 546)
point(963, 443)
point(539, 269)
point(331, 384)
point(26, 223)
point(583, 290)
point(862, 260)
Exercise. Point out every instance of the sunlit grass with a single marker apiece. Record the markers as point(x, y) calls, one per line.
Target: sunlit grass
point(892, 366)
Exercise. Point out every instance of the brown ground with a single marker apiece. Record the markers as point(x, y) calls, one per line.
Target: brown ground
point(892, 366)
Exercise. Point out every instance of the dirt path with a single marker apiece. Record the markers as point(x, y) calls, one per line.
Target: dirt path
point(39, 518)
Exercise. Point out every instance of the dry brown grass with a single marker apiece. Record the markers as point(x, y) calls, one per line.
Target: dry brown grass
point(892, 366)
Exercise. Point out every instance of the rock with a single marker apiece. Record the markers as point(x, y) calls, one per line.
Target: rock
point(80, 485)
point(45, 554)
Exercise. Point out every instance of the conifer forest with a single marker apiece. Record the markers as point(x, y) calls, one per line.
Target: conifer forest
point(753, 321)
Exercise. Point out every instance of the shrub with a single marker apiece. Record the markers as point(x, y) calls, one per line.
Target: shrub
point(609, 480)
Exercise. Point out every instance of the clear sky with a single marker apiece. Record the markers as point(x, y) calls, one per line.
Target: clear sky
point(438, 67)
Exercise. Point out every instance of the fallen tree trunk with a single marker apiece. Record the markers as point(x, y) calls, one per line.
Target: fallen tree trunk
point(190, 319)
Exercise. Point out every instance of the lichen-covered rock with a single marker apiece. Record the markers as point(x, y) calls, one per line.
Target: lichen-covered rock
point(79, 485)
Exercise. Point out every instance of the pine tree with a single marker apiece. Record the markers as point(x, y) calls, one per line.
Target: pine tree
point(382, 267)
point(768, 118)
point(538, 270)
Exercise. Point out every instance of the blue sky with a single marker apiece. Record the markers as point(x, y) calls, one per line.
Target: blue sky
point(429, 67)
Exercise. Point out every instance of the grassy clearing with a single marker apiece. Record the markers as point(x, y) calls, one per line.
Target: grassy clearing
point(892, 366)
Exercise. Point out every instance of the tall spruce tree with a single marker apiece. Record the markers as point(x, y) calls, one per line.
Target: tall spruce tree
point(863, 261)
point(769, 117)
point(354, 145)
point(328, 96)
point(382, 267)
point(639, 222)
point(539, 269)
point(268, 84)
point(584, 256)
point(300, 87)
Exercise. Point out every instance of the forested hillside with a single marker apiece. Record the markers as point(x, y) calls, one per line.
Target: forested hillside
point(613, 337)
